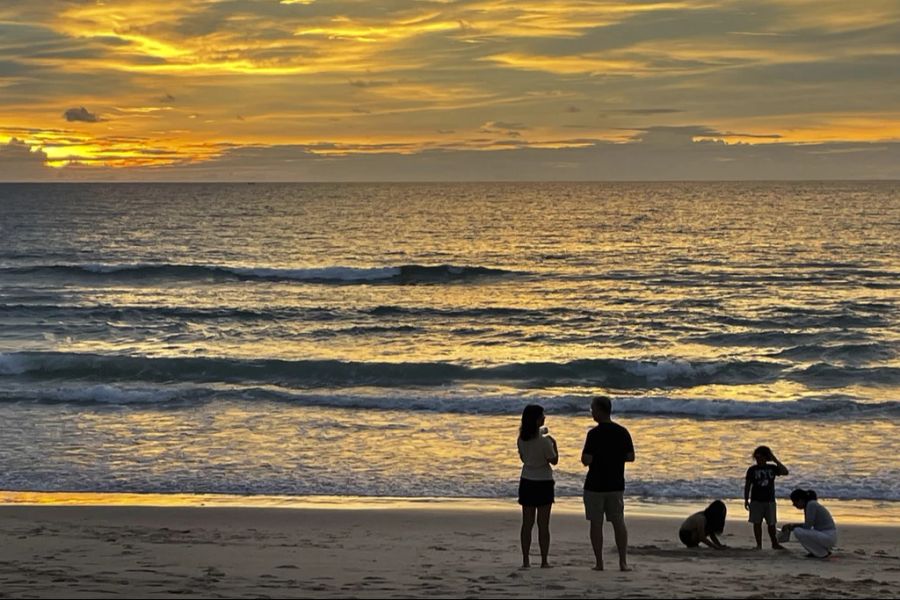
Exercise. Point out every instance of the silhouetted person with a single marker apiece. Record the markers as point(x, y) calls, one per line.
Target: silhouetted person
point(759, 493)
point(702, 527)
point(817, 533)
point(606, 450)
point(538, 451)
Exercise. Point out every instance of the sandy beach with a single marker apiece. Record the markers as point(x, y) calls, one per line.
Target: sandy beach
point(210, 552)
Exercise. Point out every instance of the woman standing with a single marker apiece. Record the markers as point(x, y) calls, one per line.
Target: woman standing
point(538, 451)
point(817, 533)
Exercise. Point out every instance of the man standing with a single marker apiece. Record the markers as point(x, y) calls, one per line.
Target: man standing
point(606, 450)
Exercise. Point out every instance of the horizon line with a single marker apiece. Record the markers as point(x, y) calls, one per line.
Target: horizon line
point(437, 181)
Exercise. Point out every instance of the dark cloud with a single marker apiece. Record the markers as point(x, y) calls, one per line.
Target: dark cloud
point(643, 111)
point(508, 125)
point(81, 114)
point(111, 40)
point(660, 154)
point(369, 83)
point(14, 69)
point(33, 130)
point(19, 162)
point(503, 126)
point(869, 69)
point(685, 134)
point(659, 25)
point(762, 136)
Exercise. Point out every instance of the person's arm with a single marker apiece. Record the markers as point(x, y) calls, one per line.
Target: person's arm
point(587, 456)
point(629, 448)
point(808, 520)
point(554, 459)
point(747, 484)
point(714, 542)
point(782, 470)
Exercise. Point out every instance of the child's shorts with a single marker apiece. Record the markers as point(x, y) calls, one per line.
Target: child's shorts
point(762, 510)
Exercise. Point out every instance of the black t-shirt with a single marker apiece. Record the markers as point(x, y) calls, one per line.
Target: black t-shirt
point(607, 443)
point(762, 482)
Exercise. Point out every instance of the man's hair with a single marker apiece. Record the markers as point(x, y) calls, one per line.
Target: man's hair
point(603, 403)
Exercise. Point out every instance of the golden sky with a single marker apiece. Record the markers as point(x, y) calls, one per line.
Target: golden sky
point(153, 86)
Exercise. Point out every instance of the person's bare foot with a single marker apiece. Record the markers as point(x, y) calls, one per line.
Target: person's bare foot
point(525, 565)
point(598, 567)
point(624, 567)
point(777, 546)
point(546, 565)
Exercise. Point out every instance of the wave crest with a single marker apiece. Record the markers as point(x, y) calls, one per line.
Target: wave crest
point(403, 274)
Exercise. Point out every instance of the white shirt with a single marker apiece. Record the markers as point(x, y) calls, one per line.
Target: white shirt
point(817, 517)
point(536, 455)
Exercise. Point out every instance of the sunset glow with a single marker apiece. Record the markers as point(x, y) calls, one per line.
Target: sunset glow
point(145, 89)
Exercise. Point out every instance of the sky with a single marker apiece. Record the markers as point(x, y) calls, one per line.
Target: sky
point(394, 90)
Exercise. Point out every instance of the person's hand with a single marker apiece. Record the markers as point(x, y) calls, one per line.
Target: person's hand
point(746, 505)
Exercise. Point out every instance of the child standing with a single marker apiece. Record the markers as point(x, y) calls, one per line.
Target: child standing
point(759, 493)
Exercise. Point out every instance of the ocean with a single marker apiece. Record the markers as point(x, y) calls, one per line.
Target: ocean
point(382, 339)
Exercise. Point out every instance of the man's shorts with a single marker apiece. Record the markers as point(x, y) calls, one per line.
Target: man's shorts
point(762, 510)
point(597, 504)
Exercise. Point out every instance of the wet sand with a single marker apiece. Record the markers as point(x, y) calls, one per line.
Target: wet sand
point(145, 551)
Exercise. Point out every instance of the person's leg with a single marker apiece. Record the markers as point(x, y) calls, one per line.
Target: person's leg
point(614, 507)
point(597, 542)
point(593, 510)
point(817, 543)
point(621, 542)
point(527, 525)
point(757, 513)
point(771, 519)
point(773, 536)
point(543, 521)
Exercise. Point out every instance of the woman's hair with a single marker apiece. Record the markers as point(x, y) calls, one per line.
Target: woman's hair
point(531, 416)
point(763, 451)
point(804, 496)
point(715, 517)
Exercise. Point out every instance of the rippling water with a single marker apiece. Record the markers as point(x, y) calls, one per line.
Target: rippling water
point(382, 339)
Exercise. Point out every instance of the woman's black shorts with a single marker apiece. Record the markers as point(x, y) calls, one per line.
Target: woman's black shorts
point(536, 492)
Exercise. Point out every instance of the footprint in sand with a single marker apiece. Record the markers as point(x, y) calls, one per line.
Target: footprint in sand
point(555, 586)
point(213, 572)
